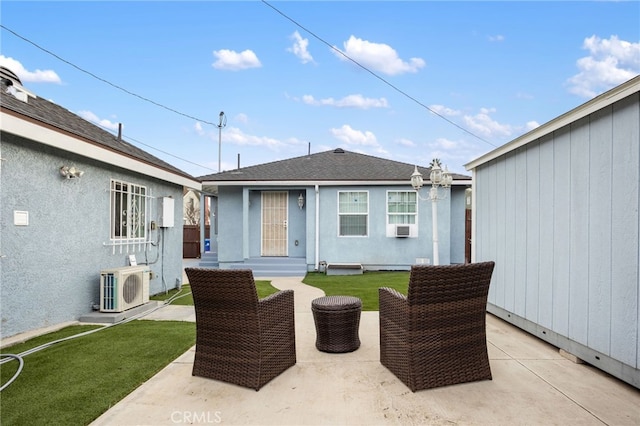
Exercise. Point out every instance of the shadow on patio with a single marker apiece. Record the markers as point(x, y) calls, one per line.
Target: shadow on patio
point(532, 384)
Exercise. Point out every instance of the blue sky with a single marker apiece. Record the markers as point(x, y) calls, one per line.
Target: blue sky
point(408, 81)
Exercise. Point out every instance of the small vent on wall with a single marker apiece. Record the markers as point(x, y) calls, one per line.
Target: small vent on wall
point(402, 231)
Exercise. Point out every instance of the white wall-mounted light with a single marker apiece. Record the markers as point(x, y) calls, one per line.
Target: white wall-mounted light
point(70, 172)
point(301, 201)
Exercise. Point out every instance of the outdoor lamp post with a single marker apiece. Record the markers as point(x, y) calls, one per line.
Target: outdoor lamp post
point(438, 177)
point(222, 123)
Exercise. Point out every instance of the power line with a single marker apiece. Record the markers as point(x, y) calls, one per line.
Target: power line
point(106, 81)
point(124, 90)
point(397, 89)
point(169, 154)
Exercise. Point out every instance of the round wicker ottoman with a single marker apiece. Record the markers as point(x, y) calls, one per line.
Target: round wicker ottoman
point(337, 320)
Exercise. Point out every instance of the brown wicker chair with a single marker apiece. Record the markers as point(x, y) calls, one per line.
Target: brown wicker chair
point(436, 335)
point(240, 339)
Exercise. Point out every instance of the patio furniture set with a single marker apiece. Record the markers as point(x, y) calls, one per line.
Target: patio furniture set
point(434, 336)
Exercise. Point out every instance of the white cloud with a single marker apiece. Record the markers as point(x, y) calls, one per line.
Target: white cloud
point(610, 62)
point(485, 126)
point(378, 57)
point(406, 143)
point(443, 110)
point(446, 144)
point(234, 61)
point(350, 136)
point(498, 37)
point(198, 128)
point(37, 76)
point(236, 136)
point(350, 101)
point(531, 125)
point(241, 118)
point(299, 48)
point(524, 95)
point(89, 116)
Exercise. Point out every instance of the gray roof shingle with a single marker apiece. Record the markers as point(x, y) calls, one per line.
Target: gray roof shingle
point(49, 113)
point(334, 165)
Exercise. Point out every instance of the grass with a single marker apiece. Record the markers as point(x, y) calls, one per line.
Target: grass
point(185, 297)
point(364, 286)
point(75, 381)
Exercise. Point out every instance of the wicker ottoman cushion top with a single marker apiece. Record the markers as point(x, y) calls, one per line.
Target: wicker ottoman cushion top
point(336, 303)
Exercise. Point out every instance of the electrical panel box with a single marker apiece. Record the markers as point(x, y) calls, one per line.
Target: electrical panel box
point(166, 212)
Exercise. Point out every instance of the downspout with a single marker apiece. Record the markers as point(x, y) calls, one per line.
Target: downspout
point(202, 222)
point(317, 238)
point(473, 216)
point(245, 223)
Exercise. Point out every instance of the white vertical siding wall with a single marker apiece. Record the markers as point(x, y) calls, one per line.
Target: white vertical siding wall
point(560, 218)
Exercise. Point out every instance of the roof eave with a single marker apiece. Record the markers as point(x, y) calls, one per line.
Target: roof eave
point(29, 128)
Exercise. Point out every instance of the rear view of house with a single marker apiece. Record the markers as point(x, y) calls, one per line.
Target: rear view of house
point(333, 207)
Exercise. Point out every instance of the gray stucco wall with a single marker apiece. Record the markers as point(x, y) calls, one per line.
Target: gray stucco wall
point(375, 251)
point(559, 216)
point(50, 269)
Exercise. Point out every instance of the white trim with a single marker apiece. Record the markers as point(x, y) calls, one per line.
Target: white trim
point(46, 136)
point(276, 183)
point(317, 228)
point(368, 234)
point(620, 92)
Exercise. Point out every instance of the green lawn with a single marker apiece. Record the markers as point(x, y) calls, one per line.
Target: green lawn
point(364, 286)
point(75, 381)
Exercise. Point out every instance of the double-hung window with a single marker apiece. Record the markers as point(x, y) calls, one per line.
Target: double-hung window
point(128, 211)
point(402, 207)
point(353, 213)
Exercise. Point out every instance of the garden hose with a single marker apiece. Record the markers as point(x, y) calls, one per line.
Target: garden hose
point(9, 357)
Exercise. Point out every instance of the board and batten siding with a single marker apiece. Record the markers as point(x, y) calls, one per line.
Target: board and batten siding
point(559, 216)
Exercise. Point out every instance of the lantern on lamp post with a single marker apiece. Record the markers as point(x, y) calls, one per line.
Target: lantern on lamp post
point(438, 178)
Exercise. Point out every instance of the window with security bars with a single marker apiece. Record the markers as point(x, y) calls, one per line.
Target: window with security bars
point(402, 207)
point(128, 211)
point(353, 213)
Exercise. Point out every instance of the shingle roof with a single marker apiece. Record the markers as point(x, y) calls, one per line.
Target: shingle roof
point(54, 115)
point(334, 165)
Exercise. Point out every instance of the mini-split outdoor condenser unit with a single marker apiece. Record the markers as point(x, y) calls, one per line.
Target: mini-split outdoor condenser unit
point(124, 288)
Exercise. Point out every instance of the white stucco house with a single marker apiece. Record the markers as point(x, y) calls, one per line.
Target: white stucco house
point(557, 210)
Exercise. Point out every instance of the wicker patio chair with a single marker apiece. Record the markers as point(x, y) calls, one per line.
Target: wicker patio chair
point(240, 339)
point(436, 335)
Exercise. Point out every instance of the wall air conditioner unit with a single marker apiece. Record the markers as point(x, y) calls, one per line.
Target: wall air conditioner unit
point(124, 288)
point(402, 231)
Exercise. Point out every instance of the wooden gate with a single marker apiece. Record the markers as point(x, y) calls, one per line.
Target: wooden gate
point(191, 241)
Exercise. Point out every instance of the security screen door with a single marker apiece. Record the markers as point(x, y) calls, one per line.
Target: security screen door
point(274, 223)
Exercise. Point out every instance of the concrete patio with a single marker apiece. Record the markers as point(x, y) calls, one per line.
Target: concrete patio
point(533, 384)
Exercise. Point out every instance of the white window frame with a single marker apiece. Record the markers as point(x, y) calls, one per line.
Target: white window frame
point(341, 214)
point(136, 212)
point(408, 215)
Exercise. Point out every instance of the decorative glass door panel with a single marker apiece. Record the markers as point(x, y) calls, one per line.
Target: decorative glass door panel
point(274, 223)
